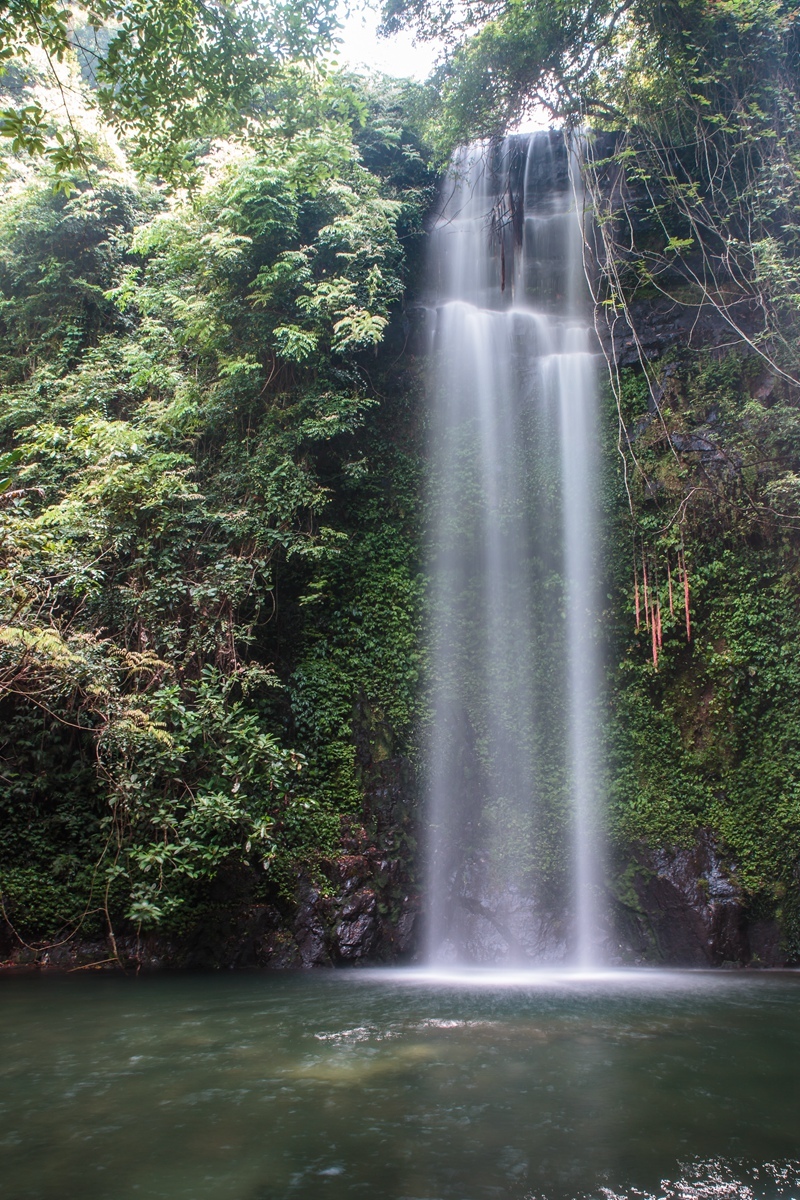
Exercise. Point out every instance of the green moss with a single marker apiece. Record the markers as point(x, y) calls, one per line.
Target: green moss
point(711, 739)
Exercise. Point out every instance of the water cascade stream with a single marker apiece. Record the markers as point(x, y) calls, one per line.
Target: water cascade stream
point(514, 856)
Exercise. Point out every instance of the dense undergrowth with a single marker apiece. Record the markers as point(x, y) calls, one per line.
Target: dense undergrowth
point(209, 538)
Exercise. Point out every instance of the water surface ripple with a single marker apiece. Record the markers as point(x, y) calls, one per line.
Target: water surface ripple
point(401, 1086)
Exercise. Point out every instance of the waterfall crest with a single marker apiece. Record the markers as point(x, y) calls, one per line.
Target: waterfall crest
point(514, 854)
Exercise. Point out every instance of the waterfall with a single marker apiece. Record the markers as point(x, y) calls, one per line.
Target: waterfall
point(515, 843)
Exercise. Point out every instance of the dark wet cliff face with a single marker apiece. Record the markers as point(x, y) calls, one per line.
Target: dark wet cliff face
point(682, 906)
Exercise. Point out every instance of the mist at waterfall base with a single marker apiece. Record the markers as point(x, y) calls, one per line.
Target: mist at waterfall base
point(514, 862)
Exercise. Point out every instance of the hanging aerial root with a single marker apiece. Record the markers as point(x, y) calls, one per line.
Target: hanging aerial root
point(636, 595)
point(646, 594)
point(686, 598)
point(646, 599)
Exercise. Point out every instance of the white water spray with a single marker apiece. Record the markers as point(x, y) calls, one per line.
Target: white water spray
point(514, 858)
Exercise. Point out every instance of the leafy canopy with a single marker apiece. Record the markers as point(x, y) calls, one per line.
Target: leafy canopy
point(165, 74)
point(596, 61)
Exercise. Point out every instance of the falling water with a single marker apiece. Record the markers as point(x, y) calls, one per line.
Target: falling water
point(514, 854)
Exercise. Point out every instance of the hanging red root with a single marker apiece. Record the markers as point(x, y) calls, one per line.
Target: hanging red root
point(686, 601)
point(636, 596)
point(654, 639)
point(646, 600)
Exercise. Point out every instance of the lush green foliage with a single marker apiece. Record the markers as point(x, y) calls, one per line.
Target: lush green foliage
point(166, 74)
point(208, 546)
point(604, 61)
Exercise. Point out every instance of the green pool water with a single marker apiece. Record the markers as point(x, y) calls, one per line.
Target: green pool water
point(400, 1086)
